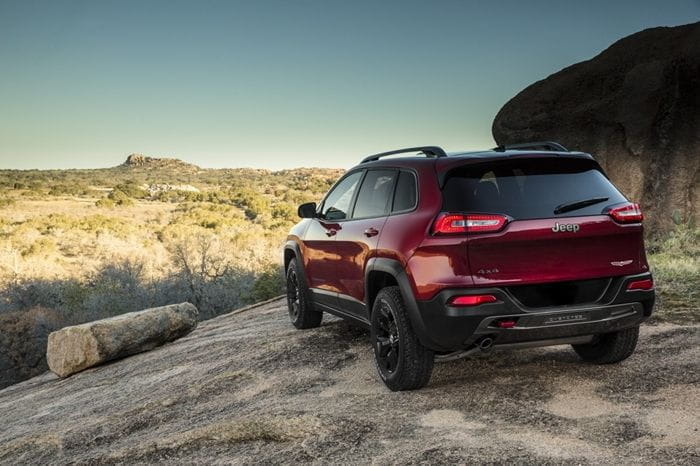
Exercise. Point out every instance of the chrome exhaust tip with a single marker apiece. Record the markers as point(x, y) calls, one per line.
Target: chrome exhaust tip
point(486, 343)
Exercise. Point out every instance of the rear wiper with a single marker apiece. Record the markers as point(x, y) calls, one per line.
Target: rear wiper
point(575, 205)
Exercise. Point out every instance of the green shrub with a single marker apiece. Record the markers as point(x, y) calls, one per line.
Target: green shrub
point(131, 189)
point(284, 211)
point(6, 201)
point(268, 284)
point(120, 198)
point(67, 190)
point(105, 202)
point(675, 263)
point(40, 247)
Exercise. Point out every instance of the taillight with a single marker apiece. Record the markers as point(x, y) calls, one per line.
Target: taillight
point(472, 300)
point(448, 224)
point(628, 213)
point(646, 284)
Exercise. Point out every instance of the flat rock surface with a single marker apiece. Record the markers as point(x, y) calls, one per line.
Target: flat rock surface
point(249, 388)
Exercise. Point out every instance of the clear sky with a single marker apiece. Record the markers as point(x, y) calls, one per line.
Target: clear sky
point(283, 83)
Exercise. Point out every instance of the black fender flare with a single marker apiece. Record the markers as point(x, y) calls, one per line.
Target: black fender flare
point(291, 245)
point(394, 268)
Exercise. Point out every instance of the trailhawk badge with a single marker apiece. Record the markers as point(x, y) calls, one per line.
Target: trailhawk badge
point(562, 227)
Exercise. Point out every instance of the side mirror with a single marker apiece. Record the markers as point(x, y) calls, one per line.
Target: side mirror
point(307, 210)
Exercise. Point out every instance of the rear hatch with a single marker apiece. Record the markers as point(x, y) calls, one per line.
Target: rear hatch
point(559, 227)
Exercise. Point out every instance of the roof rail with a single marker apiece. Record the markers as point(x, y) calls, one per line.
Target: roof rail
point(430, 151)
point(543, 145)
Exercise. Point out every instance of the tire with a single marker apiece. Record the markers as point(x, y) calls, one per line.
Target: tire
point(610, 347)
point(301, 311)
point(402, 361)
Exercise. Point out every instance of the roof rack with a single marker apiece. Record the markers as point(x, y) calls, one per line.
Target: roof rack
point(543, 145)
point(429, 151)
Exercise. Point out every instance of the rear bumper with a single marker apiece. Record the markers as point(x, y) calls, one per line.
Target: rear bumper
point(442, 327)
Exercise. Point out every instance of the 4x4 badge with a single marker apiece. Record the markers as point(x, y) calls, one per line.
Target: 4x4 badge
point(561, 227)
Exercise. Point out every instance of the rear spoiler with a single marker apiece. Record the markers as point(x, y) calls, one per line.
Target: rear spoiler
point(543, 145)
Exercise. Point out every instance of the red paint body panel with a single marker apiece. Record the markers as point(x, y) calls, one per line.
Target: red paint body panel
point(524, 252)
point(529, 252)
point(354, 249)
point(320, 255)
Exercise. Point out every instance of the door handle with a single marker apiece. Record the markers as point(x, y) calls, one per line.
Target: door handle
point(369, 232)
point(331, 232)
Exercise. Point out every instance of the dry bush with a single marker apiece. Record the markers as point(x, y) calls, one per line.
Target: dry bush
point(23, 343)
point(60, 257)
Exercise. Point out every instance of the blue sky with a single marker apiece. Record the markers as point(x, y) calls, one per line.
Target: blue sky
point(280, 84)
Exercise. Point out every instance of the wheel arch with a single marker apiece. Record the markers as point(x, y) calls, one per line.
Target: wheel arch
point(293, 251)
point(382, 270)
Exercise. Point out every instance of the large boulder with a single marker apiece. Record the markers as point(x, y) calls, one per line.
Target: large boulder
point(636, 108)
point(73, 349)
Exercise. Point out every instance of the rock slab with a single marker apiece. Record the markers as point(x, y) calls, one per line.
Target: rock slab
point(636, 108)
point(73, 349)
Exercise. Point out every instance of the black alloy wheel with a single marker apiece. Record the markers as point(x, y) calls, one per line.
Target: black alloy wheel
point(300, 307)
point(293, 294)
point(386, 339)
point(402, 361)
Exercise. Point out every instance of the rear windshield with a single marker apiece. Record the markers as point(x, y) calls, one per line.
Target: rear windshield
point(530, 188)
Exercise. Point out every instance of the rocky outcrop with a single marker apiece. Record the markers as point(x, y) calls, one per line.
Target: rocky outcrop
point(636, 108)
point(141, 161)
point(73, 349)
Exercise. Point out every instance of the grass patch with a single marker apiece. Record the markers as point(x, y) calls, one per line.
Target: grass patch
point(675, 263)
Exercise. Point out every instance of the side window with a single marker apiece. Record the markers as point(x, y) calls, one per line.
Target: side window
point(406, 193)
point(337, 203)
point(374, 199)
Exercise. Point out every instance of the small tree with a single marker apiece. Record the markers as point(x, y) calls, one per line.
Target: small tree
point(105, 202)
point(120, 198)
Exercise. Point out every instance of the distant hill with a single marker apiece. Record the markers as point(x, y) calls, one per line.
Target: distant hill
point(142, 169)
point(154, 163)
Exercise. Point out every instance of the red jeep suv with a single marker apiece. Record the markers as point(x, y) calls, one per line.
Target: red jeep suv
point(442, 255)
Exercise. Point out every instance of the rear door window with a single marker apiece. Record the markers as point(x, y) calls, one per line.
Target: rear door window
point(528, 189)
point(374, 198)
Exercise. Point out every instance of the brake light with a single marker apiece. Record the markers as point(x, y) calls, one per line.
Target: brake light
point(447, 224)
point(628, 213)
point(646, 284)
point(472, 300)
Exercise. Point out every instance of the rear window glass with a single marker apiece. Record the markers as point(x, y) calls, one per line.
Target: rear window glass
point(405, 194)
point(527, 189)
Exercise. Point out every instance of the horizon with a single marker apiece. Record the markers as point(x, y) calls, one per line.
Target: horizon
point(277, 85)
point(242, 167)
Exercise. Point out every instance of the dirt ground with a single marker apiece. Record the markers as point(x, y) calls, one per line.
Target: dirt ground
point(248, 388)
